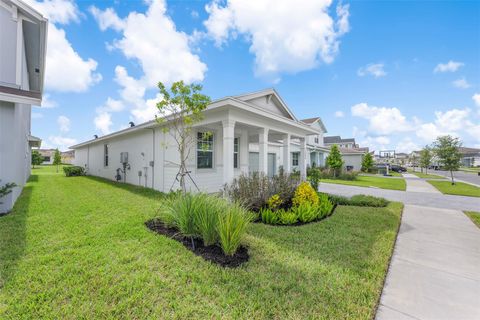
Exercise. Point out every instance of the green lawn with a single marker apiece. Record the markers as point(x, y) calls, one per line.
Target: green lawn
point(459, 188)
point(372, 181)
point(427, 175)
point(470, 169)
point(77, 248)
point(475, 216)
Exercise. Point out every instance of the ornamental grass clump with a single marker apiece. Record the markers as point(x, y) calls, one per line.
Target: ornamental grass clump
point(231, 227)
point(206, 217)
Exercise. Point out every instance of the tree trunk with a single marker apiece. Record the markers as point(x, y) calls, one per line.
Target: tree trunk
point(451, 175)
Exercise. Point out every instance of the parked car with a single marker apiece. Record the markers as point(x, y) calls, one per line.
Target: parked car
point(397, 168)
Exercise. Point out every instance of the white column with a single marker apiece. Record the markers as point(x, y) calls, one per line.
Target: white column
point(244, 152)
point(228, 136)
point(303, 159)
point(287, 154)
point(263, 150)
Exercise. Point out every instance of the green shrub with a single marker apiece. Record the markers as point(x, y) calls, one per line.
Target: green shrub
point(274, 202)
point(287, 217)
point(350, 175)
point(73, 171)
point(368, 201)
point(314, 175)
point(359, 200)
point(269, 216)
point(253, 191)
point(305, 193)
point(325, 206)
point(305, 212)
point(231, 227)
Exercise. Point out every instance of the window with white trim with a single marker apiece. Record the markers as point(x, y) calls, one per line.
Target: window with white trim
point(204, 150)
point(236, 147)
point(295, 157)
point(105, 155)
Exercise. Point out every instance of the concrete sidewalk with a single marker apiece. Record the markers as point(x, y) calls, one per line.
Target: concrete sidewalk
point(436, 200)
point(435, 268)
point(415, 184)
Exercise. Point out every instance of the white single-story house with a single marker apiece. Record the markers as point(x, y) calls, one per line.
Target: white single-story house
point(23, 33)
point(254, 132)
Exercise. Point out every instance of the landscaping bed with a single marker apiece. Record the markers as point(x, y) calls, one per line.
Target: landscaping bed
point(78, 248)
point(211, 253)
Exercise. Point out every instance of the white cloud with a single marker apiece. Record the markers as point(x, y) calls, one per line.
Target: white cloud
point(103, 122)
point(62, 143)
point(283, 37)
point(47, 103)
point(57, 11)
point(476, 99)
point(339, 114)
point(450, 66)
point(107, 19)
point(63, 123)
point(382, 120)
point(374, 69)
point(60, 54)
point(454, 119)
point(164, 54)
point(406, 145)
point(461, 83)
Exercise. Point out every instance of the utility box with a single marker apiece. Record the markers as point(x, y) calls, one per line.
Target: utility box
point(123, 157)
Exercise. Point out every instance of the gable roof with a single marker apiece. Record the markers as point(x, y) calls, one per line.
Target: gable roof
point(311, 121)
point(269, 94)
point(337, 139)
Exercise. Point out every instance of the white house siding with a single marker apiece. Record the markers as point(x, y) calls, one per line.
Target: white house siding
point(8, 51)
point(15, 152)
point(354, 160)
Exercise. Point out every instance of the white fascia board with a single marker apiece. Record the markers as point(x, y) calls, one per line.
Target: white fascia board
point(19, 99)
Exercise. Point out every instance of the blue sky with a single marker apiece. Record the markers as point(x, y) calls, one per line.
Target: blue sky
point(394, 75)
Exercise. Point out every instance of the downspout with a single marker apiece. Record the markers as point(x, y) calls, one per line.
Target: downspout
point(153, 156)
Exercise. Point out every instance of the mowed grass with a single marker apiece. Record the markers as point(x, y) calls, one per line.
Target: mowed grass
point(459, 188)
point(77, 248)
point(426, 175)
point(474, 216)
point(372, 181)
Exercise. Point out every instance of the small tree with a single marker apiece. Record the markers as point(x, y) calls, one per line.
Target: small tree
point(413, 160)
point(37, 158)
point(426, 158)
point(367, 162)
point(57, 158)
point(6, 189)
point(182, 106)
point(334, 160)
point(446, 149)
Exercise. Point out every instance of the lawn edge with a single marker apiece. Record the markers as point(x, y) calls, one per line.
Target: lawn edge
point(377, 304)
point(468, 214)
point(369, 187)
point(451, 194)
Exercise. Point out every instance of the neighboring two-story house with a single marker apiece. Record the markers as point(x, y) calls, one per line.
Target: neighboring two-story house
point(23, 33)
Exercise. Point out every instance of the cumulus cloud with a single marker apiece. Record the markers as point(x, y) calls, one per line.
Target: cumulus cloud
point(374, 69)
point(66, 70)
point(382, 120)
point(339, 114)
point(47, 102)
point(407, 145)
point(283, 37)
point(63, 123)
point(476, 99)
point(461, 83)
point(450, 66)
point(60, 142)
point(163, 53)
point(103, 122)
